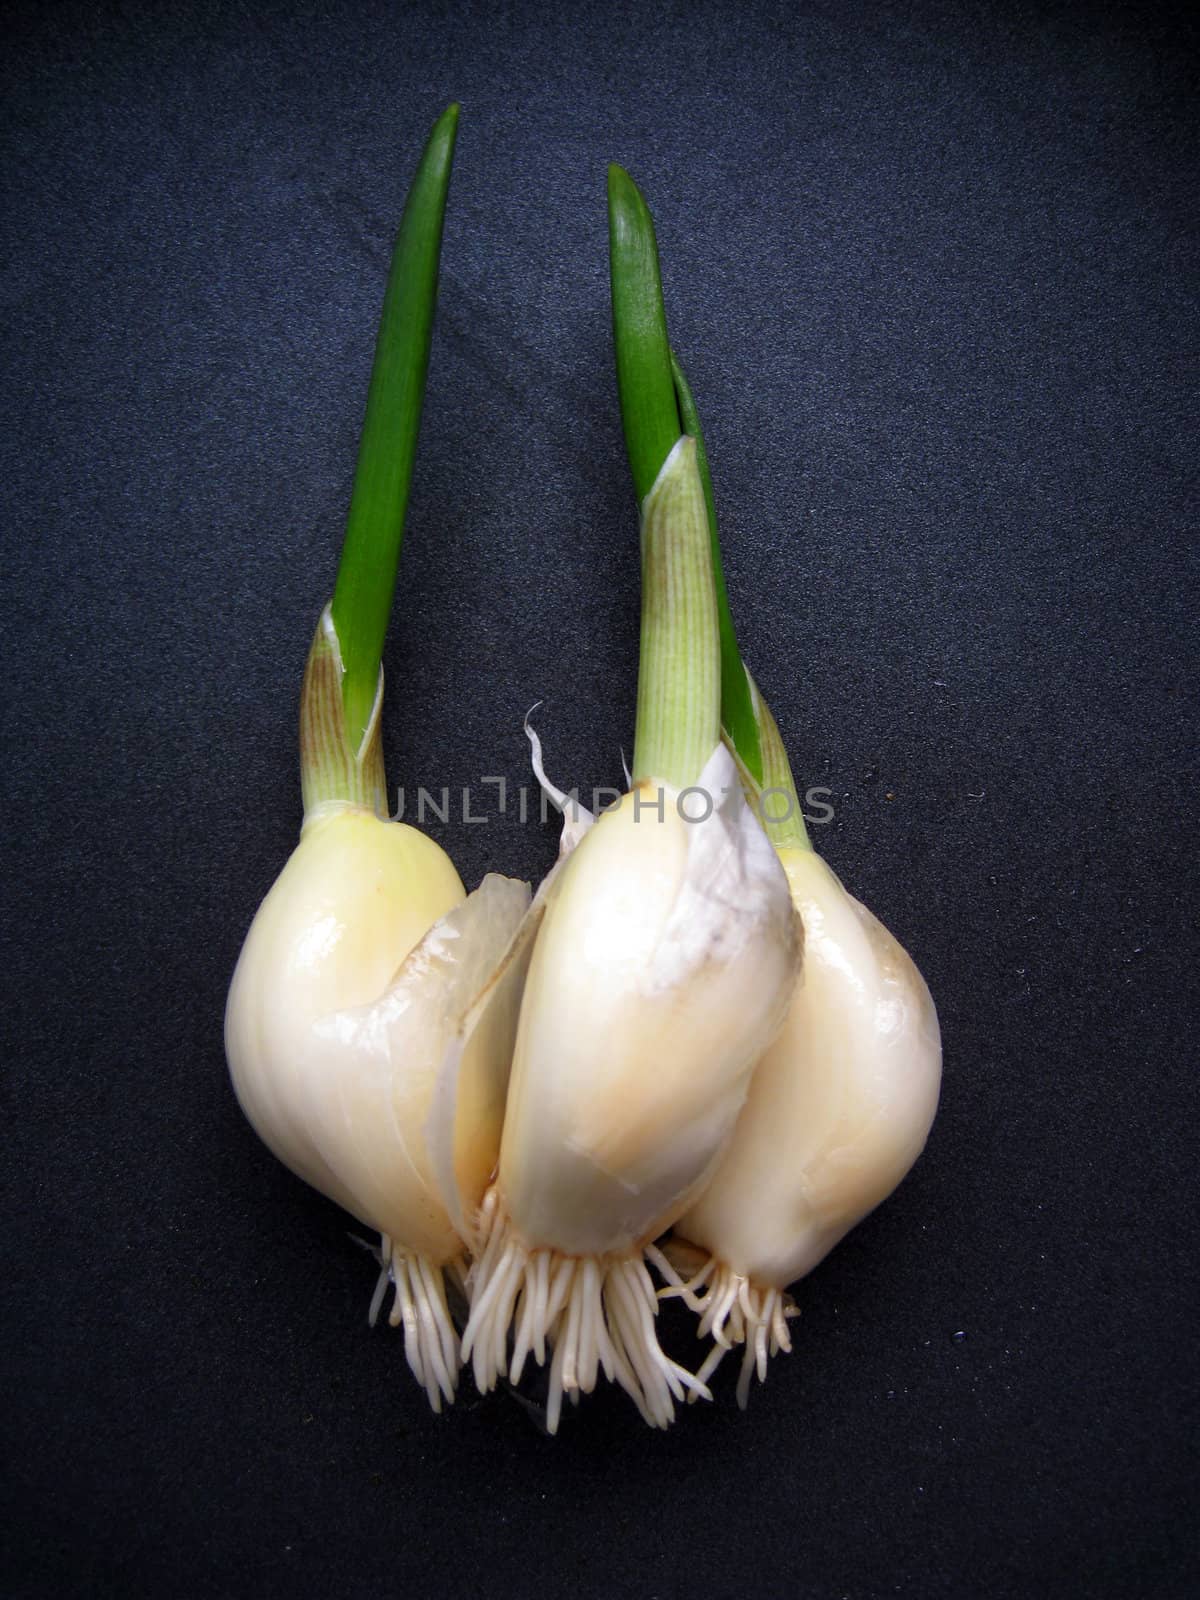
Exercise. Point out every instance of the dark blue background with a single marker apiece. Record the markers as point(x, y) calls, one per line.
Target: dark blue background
point(932, 269)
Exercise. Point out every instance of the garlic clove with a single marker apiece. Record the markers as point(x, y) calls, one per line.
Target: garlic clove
point(839, 1110)
point(662, 968)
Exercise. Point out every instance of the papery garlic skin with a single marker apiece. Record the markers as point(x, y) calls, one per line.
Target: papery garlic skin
point(839, 1110)
point(662, 970)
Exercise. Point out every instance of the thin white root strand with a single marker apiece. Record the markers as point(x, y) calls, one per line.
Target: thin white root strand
point(430, 1342)
point(733, 1311)
point(685, 1289)
point(593, 1315)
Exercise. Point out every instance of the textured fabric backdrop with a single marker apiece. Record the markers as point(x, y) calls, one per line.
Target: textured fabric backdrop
point(932, 269)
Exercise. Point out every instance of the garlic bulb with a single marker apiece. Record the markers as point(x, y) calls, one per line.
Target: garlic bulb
point(838, 1111)
point(358, 985)
point(661, 971)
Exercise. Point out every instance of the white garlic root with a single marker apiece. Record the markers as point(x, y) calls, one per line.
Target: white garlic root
point(732, 1310)
point(594, 1313)
point(430, 1338)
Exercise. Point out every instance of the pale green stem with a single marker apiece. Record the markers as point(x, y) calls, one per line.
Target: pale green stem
point(774, 801)
point(679, 670)
point(332, 770)
point(737, 715)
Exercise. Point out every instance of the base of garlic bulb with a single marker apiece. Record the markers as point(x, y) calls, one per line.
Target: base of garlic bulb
point(596, 1314)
